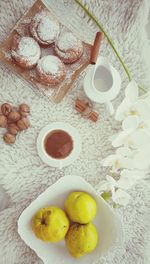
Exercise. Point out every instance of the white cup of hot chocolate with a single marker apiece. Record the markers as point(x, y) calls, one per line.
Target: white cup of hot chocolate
point(59, 144)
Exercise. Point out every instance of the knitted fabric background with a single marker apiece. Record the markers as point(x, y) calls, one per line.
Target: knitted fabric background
point(23, 175)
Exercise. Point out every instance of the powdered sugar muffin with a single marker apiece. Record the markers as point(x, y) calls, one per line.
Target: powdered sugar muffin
point(44, 28)
point(51, 70)
point(68, 47)
point(25, 51)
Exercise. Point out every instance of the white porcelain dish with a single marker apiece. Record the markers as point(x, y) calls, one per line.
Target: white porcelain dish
point(77, 144)
point(107, 223)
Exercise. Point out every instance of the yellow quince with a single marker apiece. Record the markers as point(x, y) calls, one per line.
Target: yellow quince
point(80, 207)
point(50, 224)
point(81, 239)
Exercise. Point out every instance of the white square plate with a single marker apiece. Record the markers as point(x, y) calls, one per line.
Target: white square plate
point(106, 222)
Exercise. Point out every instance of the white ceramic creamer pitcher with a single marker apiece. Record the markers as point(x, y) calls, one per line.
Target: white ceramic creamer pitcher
point(102, 83)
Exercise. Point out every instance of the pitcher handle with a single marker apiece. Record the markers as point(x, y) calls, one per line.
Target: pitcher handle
point(110, 107)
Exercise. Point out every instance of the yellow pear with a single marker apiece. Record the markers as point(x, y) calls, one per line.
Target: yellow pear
point(50, 224)
point(80, 207)
point(81, 239)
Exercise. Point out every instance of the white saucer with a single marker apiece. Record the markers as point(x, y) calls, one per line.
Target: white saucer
point(77, 145)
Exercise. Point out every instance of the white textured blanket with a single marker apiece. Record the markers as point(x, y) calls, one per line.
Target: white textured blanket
point(24, 175)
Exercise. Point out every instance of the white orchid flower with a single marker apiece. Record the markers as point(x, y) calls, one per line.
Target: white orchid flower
point(132, 105)
point(135, 134)
point(136, 120)
point(128, 178)
point(140, 120)
point(133, 146)
point(131, 96)
point(118, 195)
point(121, 197)
point(135, 140)
point(116, 162)
point(107, 185)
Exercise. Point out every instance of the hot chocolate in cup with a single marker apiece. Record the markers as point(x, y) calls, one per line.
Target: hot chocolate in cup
point(59, 144)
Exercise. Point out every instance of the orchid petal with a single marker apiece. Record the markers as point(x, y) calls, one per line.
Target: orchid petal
point(107, 185)
point(122, 110)
point(117, 162)
point(131, 92)
point(111, 180)
point(146, 126)
point(129, 178)
point(121, 138)
point(109, 161)
point(124, 151)
point(138, 139)
point(142, 109)
point(103, 186)
point(125, 163)
point(121, 197)
point(130, 122)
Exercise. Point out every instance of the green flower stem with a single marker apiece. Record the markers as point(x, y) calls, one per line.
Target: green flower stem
point(142, 88)
point(108, 39)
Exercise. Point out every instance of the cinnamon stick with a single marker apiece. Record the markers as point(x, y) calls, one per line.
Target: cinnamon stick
point(96, 47)
point(86, 110)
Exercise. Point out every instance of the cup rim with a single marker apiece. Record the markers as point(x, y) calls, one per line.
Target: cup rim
point(77, 144)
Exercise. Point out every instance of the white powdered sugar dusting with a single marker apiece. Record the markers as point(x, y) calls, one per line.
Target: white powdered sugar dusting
point(48, 28)
point(67, 40)
point(44, 27)
point(28, 49)
point(50, 64)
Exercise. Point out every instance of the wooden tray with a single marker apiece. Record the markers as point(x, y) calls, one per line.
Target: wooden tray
point(56, 93)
